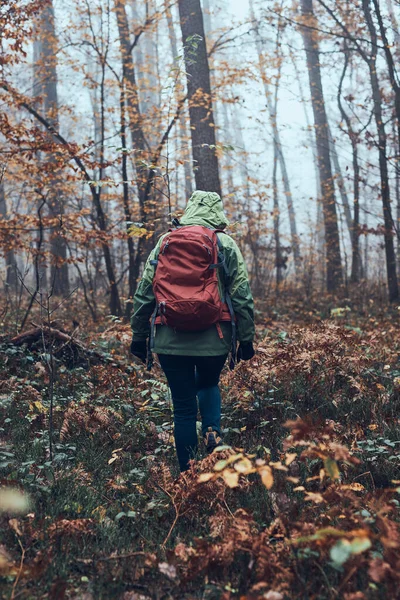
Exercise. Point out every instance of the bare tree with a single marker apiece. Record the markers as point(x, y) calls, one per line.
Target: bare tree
point(334, 273)
point(139, 142)
point(395, 23)
point(371, 61)
point(277, 141)
point(10, 259)
point(382, 139)
point(391, 64)
point(339, 180)
point(146, 67)
point(276, 212)
point(46, 81)
point(221, 114)
point(199, 94)
point(311, 140)
point(184, 135)
point(356, 265)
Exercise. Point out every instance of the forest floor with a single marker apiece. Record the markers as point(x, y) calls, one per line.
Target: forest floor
point(302, 502)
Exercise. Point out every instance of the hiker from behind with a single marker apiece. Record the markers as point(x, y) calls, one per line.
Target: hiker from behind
point(194, 305)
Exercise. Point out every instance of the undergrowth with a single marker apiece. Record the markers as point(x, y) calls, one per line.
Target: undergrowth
point(301, 502)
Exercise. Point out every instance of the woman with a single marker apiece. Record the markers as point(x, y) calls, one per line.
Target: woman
point(192, 345)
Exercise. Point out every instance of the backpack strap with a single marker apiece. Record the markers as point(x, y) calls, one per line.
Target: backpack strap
point(150, 347)
point(228, 299)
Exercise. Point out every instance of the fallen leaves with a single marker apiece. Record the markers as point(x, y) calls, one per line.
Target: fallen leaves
point(266, 475)
point(73, 527)
point(239, 464)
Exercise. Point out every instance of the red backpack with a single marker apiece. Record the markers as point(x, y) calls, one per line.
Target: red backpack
point(185, 282)
point(186, 286)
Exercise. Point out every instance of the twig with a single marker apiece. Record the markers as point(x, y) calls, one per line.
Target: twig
point(34, 334)
point(228, 509)
point(63, 301)
point(367, 473)
point(37, 259)
point(332, 591)
point(347, 579)
point(68, 341)
point(21, 564)
point(177, 515)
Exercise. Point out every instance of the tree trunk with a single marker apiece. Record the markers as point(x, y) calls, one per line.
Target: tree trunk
point(277, 141)
point(397, 195)
point(278, 254)
point(199, 94)
point(139, 144)
point(243, 163)
point(334, 273)
point(135, 117)
point(366, 242)
point(340, 182)
point(145, 64)
point(209, 18)
point(310, 129)
point(127, 210)
point(311, 135)
point(227, 157)
point(47, 67)
point(11, 279)
point(276, 211)
point(383, 165)
point(37, 91)
point(395, 23)
point(183, 130)
point(356, 266)
point(390, 60)
point(397, 184)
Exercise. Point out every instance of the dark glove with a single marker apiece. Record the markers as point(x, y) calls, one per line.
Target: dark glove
point(245, 351)
point(139, 349)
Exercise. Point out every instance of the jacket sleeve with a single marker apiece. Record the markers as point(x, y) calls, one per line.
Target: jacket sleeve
point(239, 289)
point(144, 302)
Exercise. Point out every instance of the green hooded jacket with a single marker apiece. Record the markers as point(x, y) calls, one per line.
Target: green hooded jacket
point(203, 208)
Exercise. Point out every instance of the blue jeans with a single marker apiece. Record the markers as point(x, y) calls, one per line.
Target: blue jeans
point(189, 378)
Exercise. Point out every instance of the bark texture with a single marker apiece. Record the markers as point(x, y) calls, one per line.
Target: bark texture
point(184, 135)
point(11, 279)
point(202, 124)
point(383, 163)
point(46, 85)
point(334, 275)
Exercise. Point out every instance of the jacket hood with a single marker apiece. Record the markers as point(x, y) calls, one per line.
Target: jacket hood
point(205, 208)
